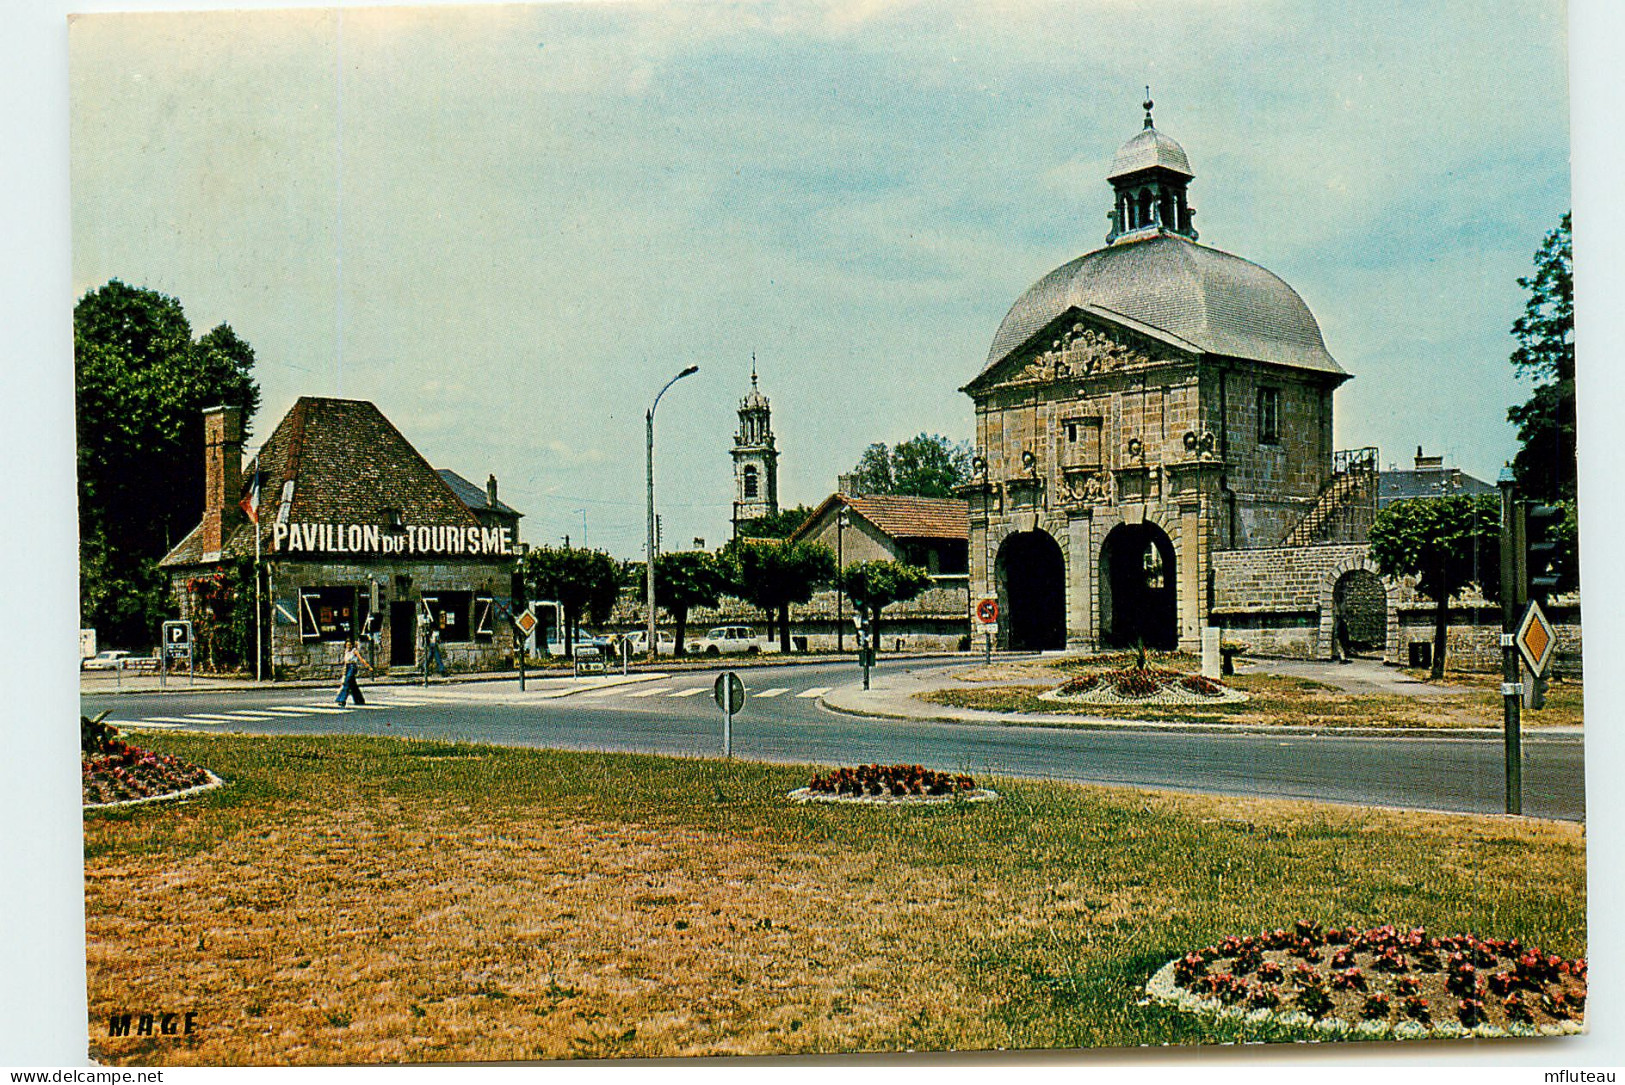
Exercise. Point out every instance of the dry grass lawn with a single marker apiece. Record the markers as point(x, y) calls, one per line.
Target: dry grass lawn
point(375, 900)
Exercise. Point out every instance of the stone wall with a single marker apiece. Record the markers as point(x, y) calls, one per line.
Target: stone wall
point(294, 657)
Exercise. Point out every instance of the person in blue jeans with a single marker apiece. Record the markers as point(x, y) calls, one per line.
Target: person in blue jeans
point(352, 661)
point(434, 650)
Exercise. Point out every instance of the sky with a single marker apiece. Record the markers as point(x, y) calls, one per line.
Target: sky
point(509, 226)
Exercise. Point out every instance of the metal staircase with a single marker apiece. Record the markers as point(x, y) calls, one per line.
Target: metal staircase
point(1347, 503)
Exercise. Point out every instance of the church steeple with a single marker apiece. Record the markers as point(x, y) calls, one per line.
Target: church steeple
point(1149, 176)
point(756, 460)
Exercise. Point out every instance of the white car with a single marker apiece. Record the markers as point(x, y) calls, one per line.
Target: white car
point(105, 661)
point(731, 638)
point(665, 643)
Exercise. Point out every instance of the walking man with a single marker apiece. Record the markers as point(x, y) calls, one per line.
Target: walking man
point(352, 661)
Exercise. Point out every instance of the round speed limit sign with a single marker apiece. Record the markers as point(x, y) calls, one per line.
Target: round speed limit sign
point(987, 611)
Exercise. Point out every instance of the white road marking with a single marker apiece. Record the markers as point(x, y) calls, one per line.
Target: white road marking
point(690, 692)
point(207, 717)
point(606, 691)
point(650, 692)
point(286, 713)
point(167, 719)
point(773, 692)
point(251, 715)
point(144, 725)
point(816, 691)
point(332, 710)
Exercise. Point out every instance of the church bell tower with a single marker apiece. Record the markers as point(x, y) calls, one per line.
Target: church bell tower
point(756, 461)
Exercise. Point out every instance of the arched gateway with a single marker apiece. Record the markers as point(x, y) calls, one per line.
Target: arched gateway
point(1137, 588)
point(1032, 591)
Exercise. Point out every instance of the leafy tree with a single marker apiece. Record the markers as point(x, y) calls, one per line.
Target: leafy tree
point(1545, 465)
point(925, 466)
point(773, 575)
point(874, 585)
point(1447, 543)
point(777, 525)
point(689, 578)
point(141, 384)
point(584, 582)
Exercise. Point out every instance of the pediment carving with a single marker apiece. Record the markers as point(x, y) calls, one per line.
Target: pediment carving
point(1079, 350)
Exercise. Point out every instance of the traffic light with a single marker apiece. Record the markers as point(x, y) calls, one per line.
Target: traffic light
point(1541, 549)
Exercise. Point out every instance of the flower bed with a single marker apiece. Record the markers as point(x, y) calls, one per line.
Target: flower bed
point(1381, 982)
point(1143, 685)
point(890, 784)
point(114, 772)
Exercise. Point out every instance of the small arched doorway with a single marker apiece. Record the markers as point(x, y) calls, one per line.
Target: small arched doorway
point(1137, 588)
point(1032, 591)
point(1361, 602)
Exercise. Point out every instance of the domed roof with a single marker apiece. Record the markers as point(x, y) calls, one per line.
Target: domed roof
point(1219, 303)
point(1147, 149)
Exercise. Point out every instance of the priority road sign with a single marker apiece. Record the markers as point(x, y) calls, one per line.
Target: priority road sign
point(526, 621)
point(1536, 639)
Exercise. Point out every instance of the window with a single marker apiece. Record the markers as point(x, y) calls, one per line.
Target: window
point(1269, 416)
point(449, 613)
point(751, 484)
point(1082, 440)
point(330, 613)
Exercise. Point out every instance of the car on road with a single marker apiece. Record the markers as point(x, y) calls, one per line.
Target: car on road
point(665, 643)
point(725, 639)
point(105, 661)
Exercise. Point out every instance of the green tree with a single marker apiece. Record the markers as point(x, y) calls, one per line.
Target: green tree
point(686, 579)
point(773, 575)
point(585, 583)
point(1447, 543)
point(925, 466)
point(1545, 465)
point(777, 525)
point(874, 585)
point(141, 385)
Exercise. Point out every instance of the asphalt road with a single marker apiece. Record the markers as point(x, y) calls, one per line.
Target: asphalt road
point(784, 722)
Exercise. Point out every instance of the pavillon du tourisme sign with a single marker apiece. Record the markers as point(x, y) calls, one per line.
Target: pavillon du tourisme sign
point(300, 538)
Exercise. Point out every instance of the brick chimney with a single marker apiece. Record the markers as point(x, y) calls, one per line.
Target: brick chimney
point(222, 476)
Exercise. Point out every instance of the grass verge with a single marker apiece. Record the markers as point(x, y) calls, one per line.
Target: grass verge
point(1274, 701)
point(382, 900)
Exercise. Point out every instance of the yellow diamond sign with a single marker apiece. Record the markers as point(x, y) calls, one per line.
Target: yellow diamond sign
point(1536, 639)
point(526, 622)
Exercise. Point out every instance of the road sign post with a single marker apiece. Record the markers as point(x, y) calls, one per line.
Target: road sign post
point(987, 612)
point(524, 623)
point(1512, 590)
point(177, 645)
point(729, 693)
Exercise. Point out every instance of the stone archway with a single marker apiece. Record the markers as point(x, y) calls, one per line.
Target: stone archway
point(1137, 593)
point(1361, 601)
point(1031, 577)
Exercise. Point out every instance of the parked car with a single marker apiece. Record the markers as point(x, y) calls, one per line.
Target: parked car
point(585, 639)
point(665, 643)
point(731, 638)
point(105, 661)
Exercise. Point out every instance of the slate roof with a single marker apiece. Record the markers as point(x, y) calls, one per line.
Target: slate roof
point(475, 497)
point(347, 464)
point(1219, 303)
point(903, 517)
point(1402, 485)
point(1149, 148)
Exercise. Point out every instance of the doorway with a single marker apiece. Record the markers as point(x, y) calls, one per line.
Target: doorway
point(403, 634)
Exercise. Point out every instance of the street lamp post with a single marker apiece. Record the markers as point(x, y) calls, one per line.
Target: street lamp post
point(840, 594)
point(649, 420)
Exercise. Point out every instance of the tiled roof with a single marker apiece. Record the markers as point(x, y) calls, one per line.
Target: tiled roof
point(475, 497)
point(914, 517)
point(347, 464)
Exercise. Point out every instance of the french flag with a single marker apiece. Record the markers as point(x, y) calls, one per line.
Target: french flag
point(251, 503)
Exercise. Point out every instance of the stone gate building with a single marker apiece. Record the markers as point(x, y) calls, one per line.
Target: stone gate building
point(1146, 411)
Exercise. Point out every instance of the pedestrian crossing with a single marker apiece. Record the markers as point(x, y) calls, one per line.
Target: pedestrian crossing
point(309, 710)
point(638, 691)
